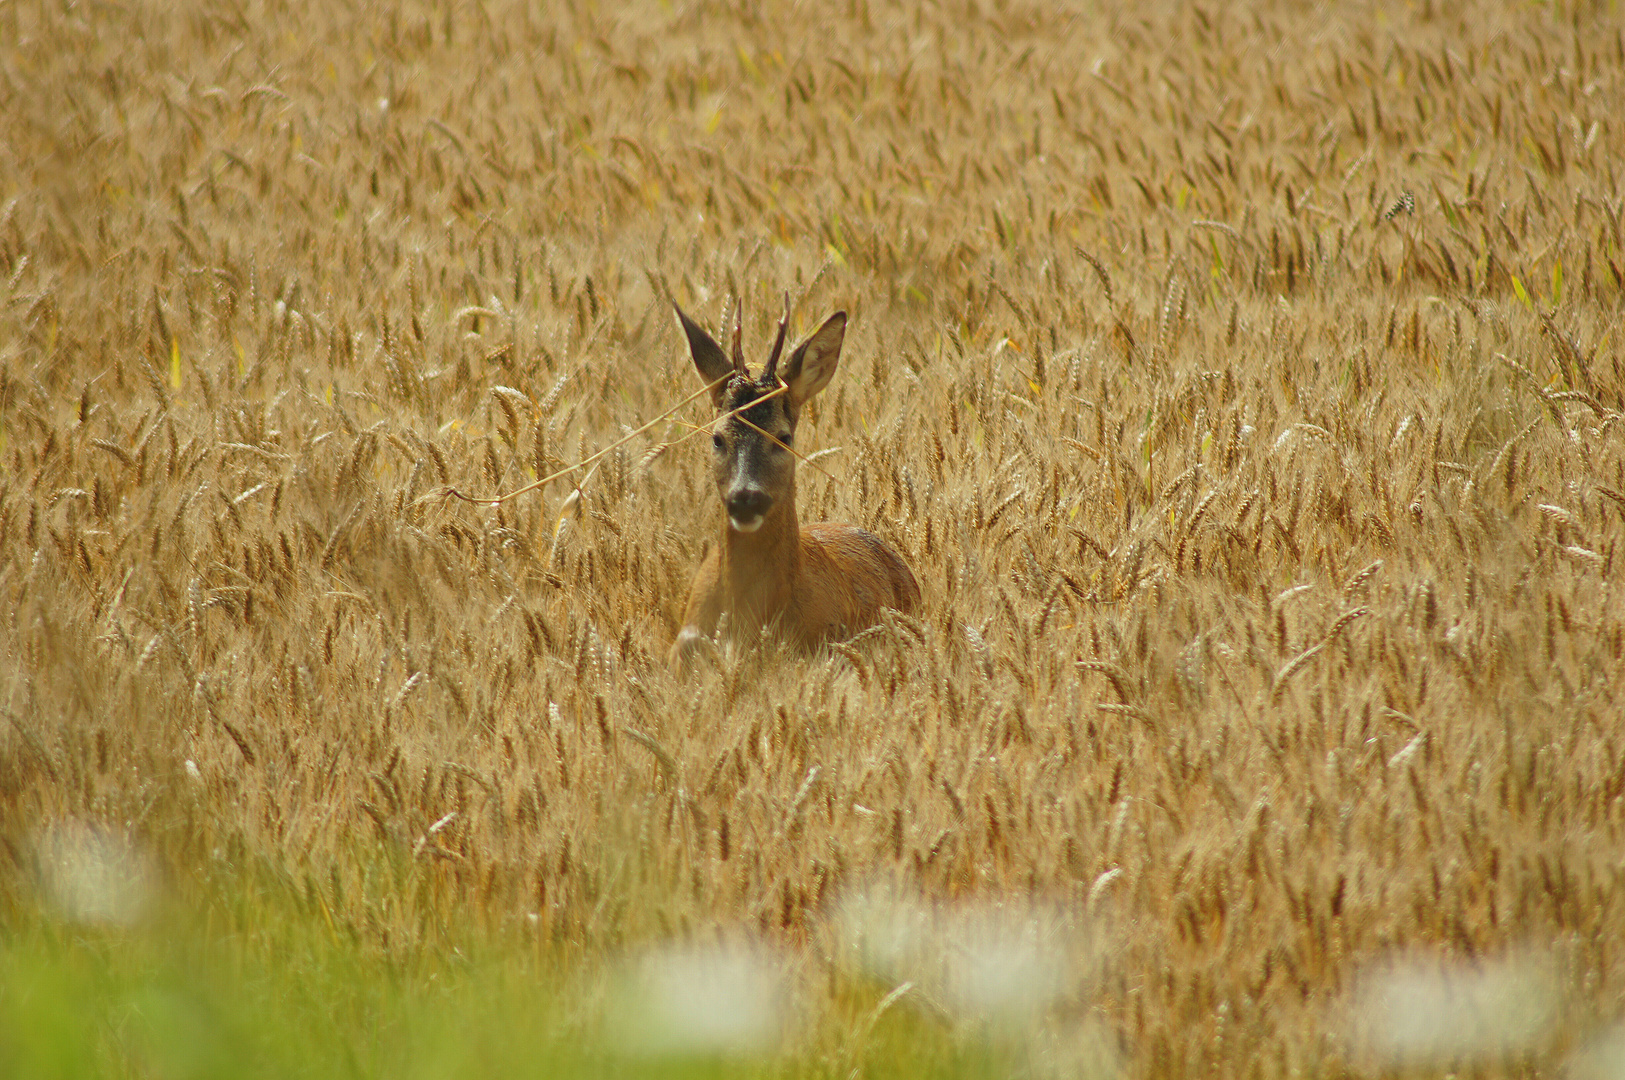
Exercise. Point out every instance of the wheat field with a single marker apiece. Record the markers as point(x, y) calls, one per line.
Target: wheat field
point(1241, 382)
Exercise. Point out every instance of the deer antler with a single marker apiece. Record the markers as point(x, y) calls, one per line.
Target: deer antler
point(739, 337)
point(778, 342)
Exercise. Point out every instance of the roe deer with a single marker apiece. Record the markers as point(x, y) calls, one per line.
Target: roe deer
point(809, 585)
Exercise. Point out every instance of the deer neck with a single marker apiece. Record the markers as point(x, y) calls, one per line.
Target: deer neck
point(760, 568)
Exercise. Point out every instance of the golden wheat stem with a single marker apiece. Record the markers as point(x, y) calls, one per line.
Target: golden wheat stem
point(452, 492)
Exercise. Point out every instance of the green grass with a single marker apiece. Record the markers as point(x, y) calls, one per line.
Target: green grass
point(247, 982)
point(229, 987)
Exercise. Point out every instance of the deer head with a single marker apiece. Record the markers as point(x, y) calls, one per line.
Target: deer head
point(755, 471)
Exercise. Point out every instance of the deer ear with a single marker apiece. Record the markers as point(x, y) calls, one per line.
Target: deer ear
point(709, 359)
point(812, 365)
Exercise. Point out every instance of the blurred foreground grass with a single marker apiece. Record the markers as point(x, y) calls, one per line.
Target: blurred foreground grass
point(265, 990)
point(244, 981)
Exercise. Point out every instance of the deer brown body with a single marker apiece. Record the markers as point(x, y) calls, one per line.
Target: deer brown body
point(808, 585)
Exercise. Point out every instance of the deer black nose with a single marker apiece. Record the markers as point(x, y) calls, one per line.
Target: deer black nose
point(748, 503)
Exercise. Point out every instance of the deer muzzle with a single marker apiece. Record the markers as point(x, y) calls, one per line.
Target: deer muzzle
point(747, 507)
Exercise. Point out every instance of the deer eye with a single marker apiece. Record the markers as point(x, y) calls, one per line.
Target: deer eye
point(716, 441)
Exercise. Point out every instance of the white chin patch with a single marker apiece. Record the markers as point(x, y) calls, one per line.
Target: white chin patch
point(745, 525)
